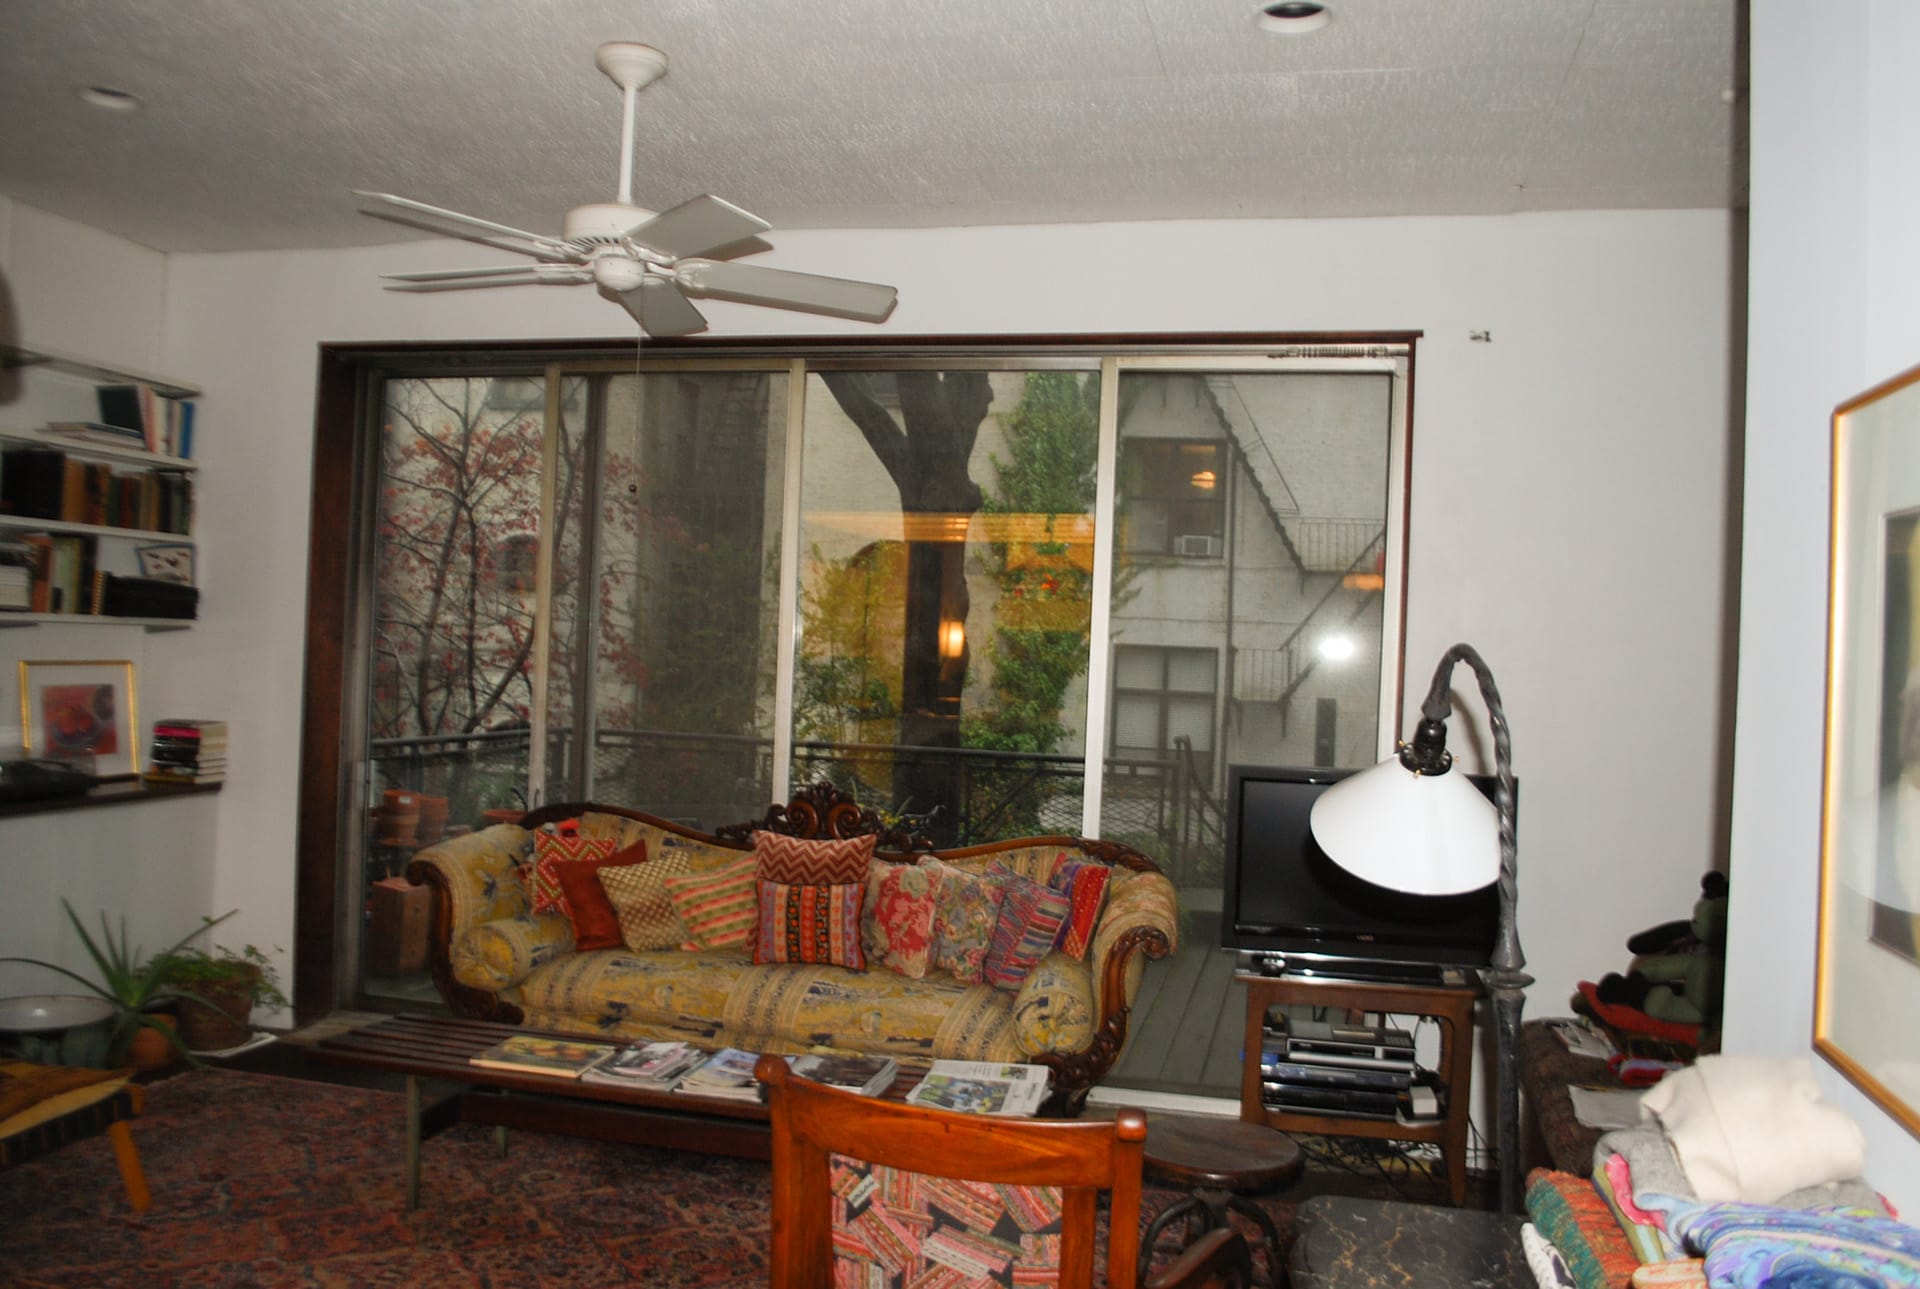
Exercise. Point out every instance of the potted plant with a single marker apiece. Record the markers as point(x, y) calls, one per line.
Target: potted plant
point(217, 991)
point(129, 980)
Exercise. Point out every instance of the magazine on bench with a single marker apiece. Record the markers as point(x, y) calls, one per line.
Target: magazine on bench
point(727, 1073)
point(656, 1067)
point(536, 1054)
point(982, 1087)
point(868, 1076)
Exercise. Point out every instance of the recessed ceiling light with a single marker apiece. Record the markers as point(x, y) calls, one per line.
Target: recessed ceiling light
point(1294, 17)
point(109, 99)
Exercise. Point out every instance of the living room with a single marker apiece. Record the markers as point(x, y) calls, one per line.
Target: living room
point(1636, 448)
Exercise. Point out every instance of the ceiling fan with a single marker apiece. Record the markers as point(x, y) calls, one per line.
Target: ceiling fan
point(650, 263)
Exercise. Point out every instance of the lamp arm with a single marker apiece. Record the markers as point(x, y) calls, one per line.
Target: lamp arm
point(1505, 979)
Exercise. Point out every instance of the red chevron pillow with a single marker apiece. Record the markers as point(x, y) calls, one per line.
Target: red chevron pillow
point(792, 861)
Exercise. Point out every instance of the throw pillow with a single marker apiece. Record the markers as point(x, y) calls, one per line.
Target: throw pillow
point(966, 907)
point(560, 846)
point(596, 925)
point(1030, 918)
point(717, 908)
point(793, 861)
point(641, 900)
point(897, 927)
point(1086, 884)
point(816, 924)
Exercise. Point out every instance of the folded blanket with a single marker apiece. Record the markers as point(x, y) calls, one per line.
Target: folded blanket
point(1681, 1273)
point(1654, 1171)
point(1761, 1246)
point(1646, 1232)
point(1752, 1128)
point(1575, 1220)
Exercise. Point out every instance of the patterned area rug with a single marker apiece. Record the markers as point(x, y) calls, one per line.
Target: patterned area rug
point(266, 1181)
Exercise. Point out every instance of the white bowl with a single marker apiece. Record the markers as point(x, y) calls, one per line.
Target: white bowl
point(49, 1013)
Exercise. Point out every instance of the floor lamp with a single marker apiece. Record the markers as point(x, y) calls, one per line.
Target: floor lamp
point(1408, 825)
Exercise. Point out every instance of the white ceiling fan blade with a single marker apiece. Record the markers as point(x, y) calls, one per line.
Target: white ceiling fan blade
point(407, 211)
point(697, 227)
point(504, 275)
point(657, 305)
point(784, 289)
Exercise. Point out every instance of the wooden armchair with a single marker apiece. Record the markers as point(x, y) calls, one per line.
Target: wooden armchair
point(857, 1177)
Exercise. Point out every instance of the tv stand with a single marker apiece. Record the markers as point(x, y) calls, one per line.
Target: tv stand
point(1450, 1004)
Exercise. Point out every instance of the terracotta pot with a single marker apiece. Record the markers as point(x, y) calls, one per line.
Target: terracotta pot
point(149, 1049)
point(433, 820)
point(209, 1029)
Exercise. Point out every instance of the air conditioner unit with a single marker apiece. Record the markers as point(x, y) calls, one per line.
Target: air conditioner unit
point(1194, 545)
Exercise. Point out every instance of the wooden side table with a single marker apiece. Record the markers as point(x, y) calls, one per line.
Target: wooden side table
point(1451, 1005)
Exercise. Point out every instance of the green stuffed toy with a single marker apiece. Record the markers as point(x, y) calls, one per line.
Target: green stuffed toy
point(1676, 973)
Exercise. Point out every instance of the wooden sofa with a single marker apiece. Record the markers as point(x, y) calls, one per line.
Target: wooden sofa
point(493, 959)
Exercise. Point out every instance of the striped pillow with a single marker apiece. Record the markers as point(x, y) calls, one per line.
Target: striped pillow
point(1031, 916)
point(1086, 884)
point(817, 924)
point(793, 861)
point(717, 908)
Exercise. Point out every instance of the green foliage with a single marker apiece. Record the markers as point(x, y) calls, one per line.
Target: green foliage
point(188, 971)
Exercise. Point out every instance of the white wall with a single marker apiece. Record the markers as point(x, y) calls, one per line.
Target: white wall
point(1835, 308)
point(1569, 488)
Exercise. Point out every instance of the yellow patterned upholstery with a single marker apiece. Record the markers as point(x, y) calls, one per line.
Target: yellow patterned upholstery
point(720, 998)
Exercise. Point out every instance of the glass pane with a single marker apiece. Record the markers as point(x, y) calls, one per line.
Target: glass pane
point(1191, 670)
point(946, 593)
point(452, 624)
point(1136, 722)
point(1139, 668)
point(1190, 719)
point(685, 568)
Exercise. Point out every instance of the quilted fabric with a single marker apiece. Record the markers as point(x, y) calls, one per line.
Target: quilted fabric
point(897, 1229)
point(966, 909)
point(1031, 916)
point(554, 848)
point(814, 924)
point(595, 922)
point(717, 908)
point(896, 925)
point(642, 904)
point(1086, 883)
point(793, 861)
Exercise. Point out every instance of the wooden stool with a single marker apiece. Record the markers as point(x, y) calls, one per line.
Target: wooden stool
point(43, 1107)
point(1219, 1161)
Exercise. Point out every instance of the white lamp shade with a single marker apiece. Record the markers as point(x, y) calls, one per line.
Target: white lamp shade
point(1426, 834)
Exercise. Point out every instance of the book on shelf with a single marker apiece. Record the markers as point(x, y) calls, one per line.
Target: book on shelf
point(655, 1066)
point(982, 1087)
point(119, 436)
point(867, 1076)
point(32, 482)
point(123, 596)
point(536, 1054)
point(165, 423)
point(727, 1073)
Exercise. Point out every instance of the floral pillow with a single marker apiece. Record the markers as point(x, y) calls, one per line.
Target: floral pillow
point(966, 907)
point(1086, 884)
point(717, 908)
point(897, 927)
point(794, 861)
point(561, 844)
point(816, 924)
point(1031, 916)
point(596, 924)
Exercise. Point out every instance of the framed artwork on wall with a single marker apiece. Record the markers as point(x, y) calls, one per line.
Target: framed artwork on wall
point(1867, 969)
point(81, 712)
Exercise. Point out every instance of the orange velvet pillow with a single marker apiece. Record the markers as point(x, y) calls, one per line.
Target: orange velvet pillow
point(596, 923)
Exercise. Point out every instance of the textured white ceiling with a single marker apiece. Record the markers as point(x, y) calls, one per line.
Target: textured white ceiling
point(260, 115)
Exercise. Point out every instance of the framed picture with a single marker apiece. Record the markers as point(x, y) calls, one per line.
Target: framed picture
point(166, 561)
point(1866, 1018)
point(83, 712)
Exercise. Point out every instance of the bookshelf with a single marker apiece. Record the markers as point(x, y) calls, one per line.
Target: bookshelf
point(116, 539)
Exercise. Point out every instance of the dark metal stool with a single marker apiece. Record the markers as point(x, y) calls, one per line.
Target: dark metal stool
point(1219, 1161)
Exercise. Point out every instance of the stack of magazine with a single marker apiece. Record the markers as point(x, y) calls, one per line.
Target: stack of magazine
point(868, 1076)
point(537, 1054)
point(982, 1087)
point(655, 1067)
point(728, 1073)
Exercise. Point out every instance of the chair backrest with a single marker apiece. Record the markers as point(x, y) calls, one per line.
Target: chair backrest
point(813, 1124)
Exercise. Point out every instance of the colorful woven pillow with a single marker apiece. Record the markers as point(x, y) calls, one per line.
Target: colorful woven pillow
point(638, 893)
point(1086, 883)
point(560, 846)
point(966, 907)
point(793, 861)
point(717, 908)
point(596, 925)
point(1031, 916)
point(816, 924)
point(896, 927)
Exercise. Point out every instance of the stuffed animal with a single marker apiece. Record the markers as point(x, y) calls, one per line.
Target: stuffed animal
point(1676, 973)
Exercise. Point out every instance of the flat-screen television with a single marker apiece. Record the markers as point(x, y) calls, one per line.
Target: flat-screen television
point(1286, 901)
